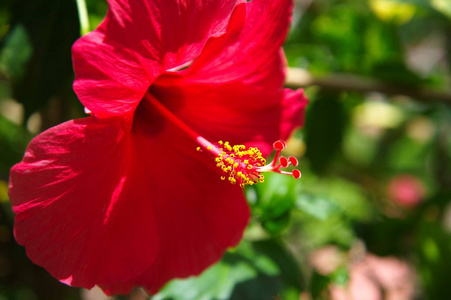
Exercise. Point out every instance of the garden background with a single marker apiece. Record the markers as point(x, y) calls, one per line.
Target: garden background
point(371, 216)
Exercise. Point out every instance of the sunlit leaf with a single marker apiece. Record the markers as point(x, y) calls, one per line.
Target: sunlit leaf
point(443, 6)
point(317, 206)
point(394, 11)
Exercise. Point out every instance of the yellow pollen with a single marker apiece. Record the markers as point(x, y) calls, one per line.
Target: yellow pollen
point(239, 164)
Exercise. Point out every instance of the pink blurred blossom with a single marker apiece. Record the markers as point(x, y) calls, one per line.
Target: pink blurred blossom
point(370, 277)
point(377, 278)
point(406, 190)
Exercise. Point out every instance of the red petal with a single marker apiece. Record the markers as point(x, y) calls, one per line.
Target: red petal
point(78, 212)
point(197, 233)
point(117, 62)
point(96, 205)
point(235, 86)
point(109, 79)
point(228, 117)
point(171, 31)
point(194, 233)
point(198, 215)
point(250, 52)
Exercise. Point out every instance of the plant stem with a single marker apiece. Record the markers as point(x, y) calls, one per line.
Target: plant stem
point(297, 78)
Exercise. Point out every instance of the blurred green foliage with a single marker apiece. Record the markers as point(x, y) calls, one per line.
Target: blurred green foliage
point(376, 168)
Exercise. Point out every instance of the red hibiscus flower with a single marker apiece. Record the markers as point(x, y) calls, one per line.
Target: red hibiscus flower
point(122, 198)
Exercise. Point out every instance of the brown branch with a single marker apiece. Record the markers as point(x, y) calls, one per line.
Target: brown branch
point(297, 78)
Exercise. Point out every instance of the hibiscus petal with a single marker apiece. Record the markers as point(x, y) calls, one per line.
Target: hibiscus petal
point(97, 205)
point(224, 108)
point(196, 226)
point(235, 86)
point(77, 210)
point(109, 79)
point(175, 30)
point(117, 62)
point(250, 52)
point(196, 234)
point(200, 215)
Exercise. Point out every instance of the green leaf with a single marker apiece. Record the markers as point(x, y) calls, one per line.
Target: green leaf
point(340, 276)
point(434, 250)
point(284, 260)
point(254, 271)
point(13, 139)
point(16, 53)
point(317, 206)
point(273, 200)
point(337, 229)
point(276, 195)
point(217, 282)
point(276, 225)
point(351, 198)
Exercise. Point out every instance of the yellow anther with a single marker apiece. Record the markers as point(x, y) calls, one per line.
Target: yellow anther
point(239, 163)
point(198, 148)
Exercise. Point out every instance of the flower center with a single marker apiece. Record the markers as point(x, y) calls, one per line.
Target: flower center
point(239, 164)
point(244, 166)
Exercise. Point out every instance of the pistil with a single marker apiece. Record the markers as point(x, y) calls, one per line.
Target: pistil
point(239, 164)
